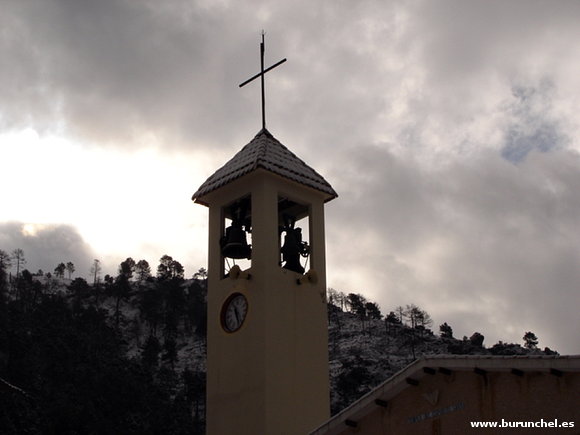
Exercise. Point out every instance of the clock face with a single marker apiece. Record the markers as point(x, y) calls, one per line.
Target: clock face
point(234, 312)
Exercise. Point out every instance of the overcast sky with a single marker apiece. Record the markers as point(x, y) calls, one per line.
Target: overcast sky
point(449, 129)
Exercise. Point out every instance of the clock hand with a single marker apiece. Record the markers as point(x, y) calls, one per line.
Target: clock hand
point(237, 315)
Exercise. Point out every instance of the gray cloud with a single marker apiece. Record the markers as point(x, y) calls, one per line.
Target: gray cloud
point(534, 126)
point(448, 129)
point(105, 71)
point(481, 243)
point(113, 71)
point(46, 246)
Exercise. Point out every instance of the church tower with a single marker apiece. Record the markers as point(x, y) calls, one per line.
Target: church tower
point(267, 337)
point(267, 362)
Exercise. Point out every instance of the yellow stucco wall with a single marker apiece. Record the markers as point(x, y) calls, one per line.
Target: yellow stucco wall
point(446, 404)
point(271, 376)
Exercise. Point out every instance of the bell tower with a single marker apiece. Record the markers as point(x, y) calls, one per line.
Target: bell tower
point(267, 362)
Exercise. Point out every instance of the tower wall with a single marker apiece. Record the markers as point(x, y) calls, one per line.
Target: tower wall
point(270, 376)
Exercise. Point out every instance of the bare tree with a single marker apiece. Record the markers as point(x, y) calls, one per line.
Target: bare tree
point(70, 268)
point(341, 298)
point(19, 260)
point(96, 271)
point(400, 311)
point(418, 320)
point(417, 317)
point(332, 296)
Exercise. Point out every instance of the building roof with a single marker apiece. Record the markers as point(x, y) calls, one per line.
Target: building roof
point(266, 152)
point(412, 374)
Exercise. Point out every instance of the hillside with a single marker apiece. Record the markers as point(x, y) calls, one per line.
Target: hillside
point(128, 354)
point(364, 351)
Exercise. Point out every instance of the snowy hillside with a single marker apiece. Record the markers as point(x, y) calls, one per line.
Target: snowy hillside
point(110, 353)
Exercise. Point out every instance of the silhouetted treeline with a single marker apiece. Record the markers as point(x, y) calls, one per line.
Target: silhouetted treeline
point(125, 354)
point(101, 358)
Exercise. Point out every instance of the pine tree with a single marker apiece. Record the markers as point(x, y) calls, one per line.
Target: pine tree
point(446, 331)
point(121, 290)
point(391, 323)
point(150, 353)
point(169, 268)
point(530, 340)
point(477, 339)
point(142, 270)
point(127, 268)
point(5, 261)
point(373, 311)
point(59, 270)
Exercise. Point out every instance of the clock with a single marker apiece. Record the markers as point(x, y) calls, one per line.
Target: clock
point(234, 312)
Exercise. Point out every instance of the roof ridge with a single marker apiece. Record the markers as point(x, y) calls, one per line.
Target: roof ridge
point(262, 148)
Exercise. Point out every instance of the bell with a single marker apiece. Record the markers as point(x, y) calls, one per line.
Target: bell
point(234, 243)
point(292, 249)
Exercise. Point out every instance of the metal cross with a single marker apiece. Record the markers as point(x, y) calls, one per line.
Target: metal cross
point(261, 75)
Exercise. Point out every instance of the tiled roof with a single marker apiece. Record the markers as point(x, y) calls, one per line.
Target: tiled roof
point(265, 151)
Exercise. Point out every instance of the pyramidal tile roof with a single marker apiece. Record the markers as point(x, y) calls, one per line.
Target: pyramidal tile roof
point(265, 151)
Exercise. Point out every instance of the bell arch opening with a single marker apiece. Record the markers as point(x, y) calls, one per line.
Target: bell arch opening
point(294, 234)
point(236, 240)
